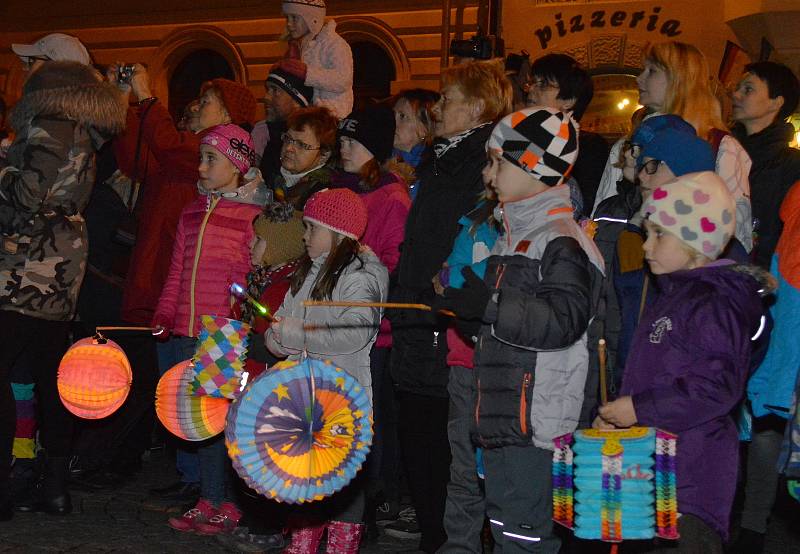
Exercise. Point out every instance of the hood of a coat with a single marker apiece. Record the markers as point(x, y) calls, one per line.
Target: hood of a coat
point(253, 191)
point(73, 91)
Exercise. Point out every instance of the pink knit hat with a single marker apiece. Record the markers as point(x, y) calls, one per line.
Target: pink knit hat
point(234, 143)
point(340, 210)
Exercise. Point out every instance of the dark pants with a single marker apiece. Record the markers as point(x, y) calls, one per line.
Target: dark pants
point(422, 428)
point(48, 340)
point(519, 499)
point(465, 509)
point(761, 480)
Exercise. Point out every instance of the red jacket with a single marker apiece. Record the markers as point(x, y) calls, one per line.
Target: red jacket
point(212, 251)
point(168, 162)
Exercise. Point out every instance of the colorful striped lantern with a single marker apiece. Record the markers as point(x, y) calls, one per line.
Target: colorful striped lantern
point(94, 378)
point(192, 418)
point(615, 485)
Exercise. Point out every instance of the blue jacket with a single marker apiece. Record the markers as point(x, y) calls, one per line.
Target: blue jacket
point(771, 386)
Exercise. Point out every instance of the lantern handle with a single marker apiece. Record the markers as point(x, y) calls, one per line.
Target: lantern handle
point(143, 329)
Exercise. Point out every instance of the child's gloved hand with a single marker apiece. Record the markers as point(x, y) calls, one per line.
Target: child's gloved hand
point(276, 327)
point(468, 302)
point(620, 412)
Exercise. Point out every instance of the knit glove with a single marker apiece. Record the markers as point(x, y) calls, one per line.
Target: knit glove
point(469, 302)
point(295, 67)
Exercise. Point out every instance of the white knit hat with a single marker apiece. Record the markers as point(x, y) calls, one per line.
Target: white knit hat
point(312, 12)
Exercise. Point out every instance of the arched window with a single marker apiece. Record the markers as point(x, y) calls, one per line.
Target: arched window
point(373, 72)
point(190, 73)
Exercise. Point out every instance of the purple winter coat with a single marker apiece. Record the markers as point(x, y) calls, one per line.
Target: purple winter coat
point(687, 370)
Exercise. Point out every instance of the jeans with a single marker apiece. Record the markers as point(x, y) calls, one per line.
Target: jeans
point(171, 352)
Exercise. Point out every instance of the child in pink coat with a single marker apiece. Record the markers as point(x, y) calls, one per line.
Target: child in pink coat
point(212, 251)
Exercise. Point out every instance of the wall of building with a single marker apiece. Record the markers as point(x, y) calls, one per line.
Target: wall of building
point(245, 32)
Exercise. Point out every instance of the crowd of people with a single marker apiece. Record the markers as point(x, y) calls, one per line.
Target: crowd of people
point(530, 240)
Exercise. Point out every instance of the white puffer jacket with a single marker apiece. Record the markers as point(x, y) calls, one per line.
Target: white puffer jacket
point(330, 70)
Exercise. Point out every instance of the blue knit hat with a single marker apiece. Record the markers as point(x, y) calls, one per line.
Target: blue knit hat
point(650, 127)
point(683, 153)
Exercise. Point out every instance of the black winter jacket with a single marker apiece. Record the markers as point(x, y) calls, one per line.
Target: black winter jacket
point(776, 167)
point(449, 186)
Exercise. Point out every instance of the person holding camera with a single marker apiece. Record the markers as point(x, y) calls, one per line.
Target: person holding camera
point(66, 112)
point(167, 166)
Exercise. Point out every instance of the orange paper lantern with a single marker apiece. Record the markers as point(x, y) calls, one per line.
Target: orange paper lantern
point(192, 418)
point(94, 378)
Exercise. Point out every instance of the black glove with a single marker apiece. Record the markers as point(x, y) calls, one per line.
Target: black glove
point(469, 302)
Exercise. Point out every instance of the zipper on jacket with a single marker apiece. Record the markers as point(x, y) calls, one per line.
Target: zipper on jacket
point(198, 249)
point(523, 404)
point(478, 406)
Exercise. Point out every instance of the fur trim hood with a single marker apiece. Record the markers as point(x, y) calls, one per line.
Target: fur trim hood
point(73, 91)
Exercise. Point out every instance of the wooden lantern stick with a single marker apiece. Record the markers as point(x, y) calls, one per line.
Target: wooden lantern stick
point(390, 305)
point(601, 355)
point(143, 329)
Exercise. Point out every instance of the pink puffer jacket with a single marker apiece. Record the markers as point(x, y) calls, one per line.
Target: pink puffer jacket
point(212, 250)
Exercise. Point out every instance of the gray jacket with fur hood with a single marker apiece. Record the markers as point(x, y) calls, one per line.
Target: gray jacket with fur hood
point(342, 335)
point(65, 114)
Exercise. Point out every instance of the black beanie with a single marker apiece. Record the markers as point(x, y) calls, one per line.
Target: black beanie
point(373, 128)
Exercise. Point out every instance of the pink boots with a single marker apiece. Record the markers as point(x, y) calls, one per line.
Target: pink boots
point(343, 538)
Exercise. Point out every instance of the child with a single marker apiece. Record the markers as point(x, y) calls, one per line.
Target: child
point(690, 354)
point(534, 304)
point(318, 56)
point(336, 267)
point(211, 252)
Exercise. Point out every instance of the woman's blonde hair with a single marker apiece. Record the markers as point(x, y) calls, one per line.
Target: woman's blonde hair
point(689, 93)
point(483, 80)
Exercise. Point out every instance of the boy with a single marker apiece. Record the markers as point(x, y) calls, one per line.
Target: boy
point(530, 315)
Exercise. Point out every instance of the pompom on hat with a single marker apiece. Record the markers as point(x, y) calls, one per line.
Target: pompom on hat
point(541, 141)
point(238, 100)
point(281, 227)
point(340, 210)
point(697, 208)
point(234, 143)
point(312, 12)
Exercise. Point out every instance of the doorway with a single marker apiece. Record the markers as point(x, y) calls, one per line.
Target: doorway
point(190, 73)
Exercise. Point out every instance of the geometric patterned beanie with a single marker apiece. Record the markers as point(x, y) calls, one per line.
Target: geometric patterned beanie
point(697, 208)
point(541, 141)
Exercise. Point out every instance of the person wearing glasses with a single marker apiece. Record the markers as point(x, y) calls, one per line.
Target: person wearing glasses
point(662, 148)
point(52, 47)
point(308, 144)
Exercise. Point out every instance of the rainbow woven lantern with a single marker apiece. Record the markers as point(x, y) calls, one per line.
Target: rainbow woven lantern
point(616, 485)
point(94, 378)
point(192, 418)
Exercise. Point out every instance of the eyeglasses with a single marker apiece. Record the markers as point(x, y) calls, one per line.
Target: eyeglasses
point(289, 141)
point(650, 166)
point(30, 60)
point(541, 84)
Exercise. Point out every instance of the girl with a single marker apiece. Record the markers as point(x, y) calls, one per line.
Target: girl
point(211, 252)
point(336, 267)
point(318, 55)
point(690, 356)
point(413, 117)
point(366, 138)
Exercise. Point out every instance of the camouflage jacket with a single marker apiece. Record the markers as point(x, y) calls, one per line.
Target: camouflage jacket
point(46, 185)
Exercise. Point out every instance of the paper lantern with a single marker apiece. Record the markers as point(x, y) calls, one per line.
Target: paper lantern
point(192, 418)
point(94, 378)
point(614, 485)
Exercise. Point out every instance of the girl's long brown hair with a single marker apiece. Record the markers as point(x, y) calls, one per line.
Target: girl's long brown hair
point(343, 253)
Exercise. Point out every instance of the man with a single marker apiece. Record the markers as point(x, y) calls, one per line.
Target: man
point(767, 94)
point(55, 47)
point(285, 92)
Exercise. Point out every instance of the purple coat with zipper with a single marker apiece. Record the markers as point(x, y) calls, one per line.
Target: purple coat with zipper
point(687, 370)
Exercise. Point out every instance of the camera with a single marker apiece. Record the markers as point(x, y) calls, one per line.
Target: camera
point(479, 47)
point(124, 73)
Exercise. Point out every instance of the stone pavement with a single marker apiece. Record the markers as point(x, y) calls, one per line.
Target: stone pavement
point(126, 520)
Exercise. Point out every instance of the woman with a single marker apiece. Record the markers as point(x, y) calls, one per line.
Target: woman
point(308, 144)
point(675, 80)
point(64, 111)
point(474, 95)
point(413, 117)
